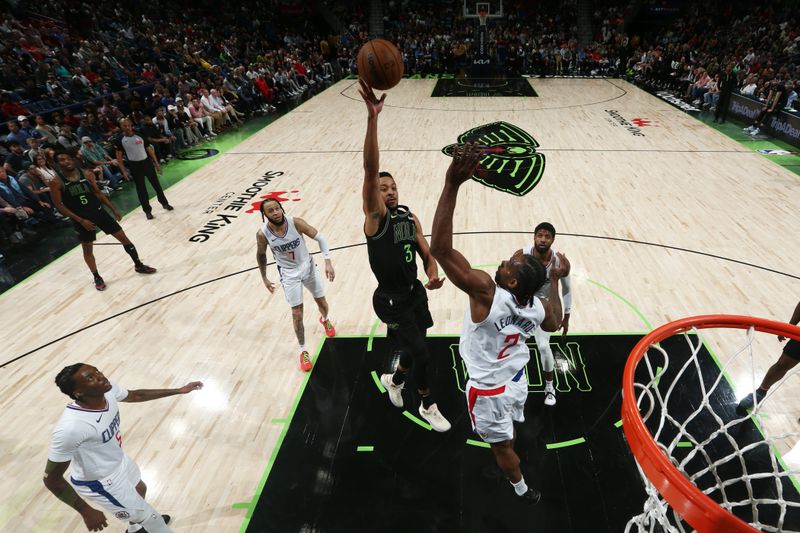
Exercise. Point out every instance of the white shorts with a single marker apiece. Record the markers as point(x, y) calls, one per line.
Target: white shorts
point(294, 280)
point(117, 494)
point(494, 411)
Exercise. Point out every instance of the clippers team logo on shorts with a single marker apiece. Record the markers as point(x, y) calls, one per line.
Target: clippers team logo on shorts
point(122, 515)
point(510, 162)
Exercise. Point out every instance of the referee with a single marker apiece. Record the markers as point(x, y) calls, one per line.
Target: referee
point(140, 165)
point(76, 195)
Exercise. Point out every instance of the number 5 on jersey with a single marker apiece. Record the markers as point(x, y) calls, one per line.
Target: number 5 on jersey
point(511, 340)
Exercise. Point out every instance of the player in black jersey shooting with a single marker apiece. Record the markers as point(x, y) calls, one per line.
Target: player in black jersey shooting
point(394, 237)
point(77, 196)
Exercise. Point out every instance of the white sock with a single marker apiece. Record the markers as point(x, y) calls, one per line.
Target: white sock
point(520, 487)
point(548, 384)
point(303, 348)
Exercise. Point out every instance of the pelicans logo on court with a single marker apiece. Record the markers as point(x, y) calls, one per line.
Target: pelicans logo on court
point(510, 162)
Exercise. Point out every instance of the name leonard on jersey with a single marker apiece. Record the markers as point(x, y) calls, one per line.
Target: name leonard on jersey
point(512, 320)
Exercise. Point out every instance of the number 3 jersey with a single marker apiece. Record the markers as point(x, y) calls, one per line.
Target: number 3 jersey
point(289, 250)
point(393, 251)
point(494, 350)
point(90, 438)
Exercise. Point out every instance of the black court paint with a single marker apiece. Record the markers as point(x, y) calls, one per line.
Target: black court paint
point(413, 479)
point(484, 87)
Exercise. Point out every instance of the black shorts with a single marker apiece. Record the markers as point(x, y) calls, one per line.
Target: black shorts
point(792, 349)
point(102, 220)
point(398, 309)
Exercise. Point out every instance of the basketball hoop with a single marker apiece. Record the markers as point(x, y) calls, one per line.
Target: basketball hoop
point(482, 16)
point(655, 436)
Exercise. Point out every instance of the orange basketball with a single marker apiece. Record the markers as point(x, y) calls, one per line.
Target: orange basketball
point(380, 64)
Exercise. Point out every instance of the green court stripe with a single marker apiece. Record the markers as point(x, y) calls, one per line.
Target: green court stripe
point(659, 371)
point(278, 444)
point(241, 505)
point(618, 423)
point(372, 333)
point(685, 444)
point(365, 449)
point(565, 443)
point(279, 420)
point(478, 443)
point(417, 420)
point(624, 300)
point(377, 381)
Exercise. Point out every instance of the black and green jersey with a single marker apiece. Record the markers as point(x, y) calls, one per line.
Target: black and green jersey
point(78, 196)
point(393, 250)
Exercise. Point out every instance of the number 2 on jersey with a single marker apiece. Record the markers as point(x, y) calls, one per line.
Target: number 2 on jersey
point(511, 340)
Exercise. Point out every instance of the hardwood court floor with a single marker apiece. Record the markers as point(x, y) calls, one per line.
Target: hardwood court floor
point(205, 315)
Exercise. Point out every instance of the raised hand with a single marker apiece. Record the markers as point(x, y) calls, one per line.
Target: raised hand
point(434, 283)
point(189, 387)
point(464, 164)
point(563, 267)
point(374, 106)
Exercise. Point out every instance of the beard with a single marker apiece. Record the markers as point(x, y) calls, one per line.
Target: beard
point(278, 222)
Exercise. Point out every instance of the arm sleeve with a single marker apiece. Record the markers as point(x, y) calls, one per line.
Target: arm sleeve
point(323, 245)
point(118, 392)
point(566, 294)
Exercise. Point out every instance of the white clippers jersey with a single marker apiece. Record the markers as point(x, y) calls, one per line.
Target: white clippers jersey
point(90, 439)
point(494, 350)
point(290, 251)
point(554, 261)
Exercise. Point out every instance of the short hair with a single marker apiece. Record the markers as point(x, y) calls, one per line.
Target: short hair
point(385, 174)
point(545, 226)
point(531, 275)
point(65, 380)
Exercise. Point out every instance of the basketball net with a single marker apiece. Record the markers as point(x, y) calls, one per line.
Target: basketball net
point(482, 17)
point(701, 489)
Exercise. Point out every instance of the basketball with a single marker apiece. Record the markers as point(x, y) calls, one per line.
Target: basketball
point(380, 64)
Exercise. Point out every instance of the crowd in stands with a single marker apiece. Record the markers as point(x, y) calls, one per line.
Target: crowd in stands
point(713, 50)
point(185, 75)
point(69, 78)
point(434, 37)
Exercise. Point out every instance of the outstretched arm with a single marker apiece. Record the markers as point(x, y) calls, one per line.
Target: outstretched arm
point(476, 283)
point(145, 395)
point(307, 229)
point(374, 208)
